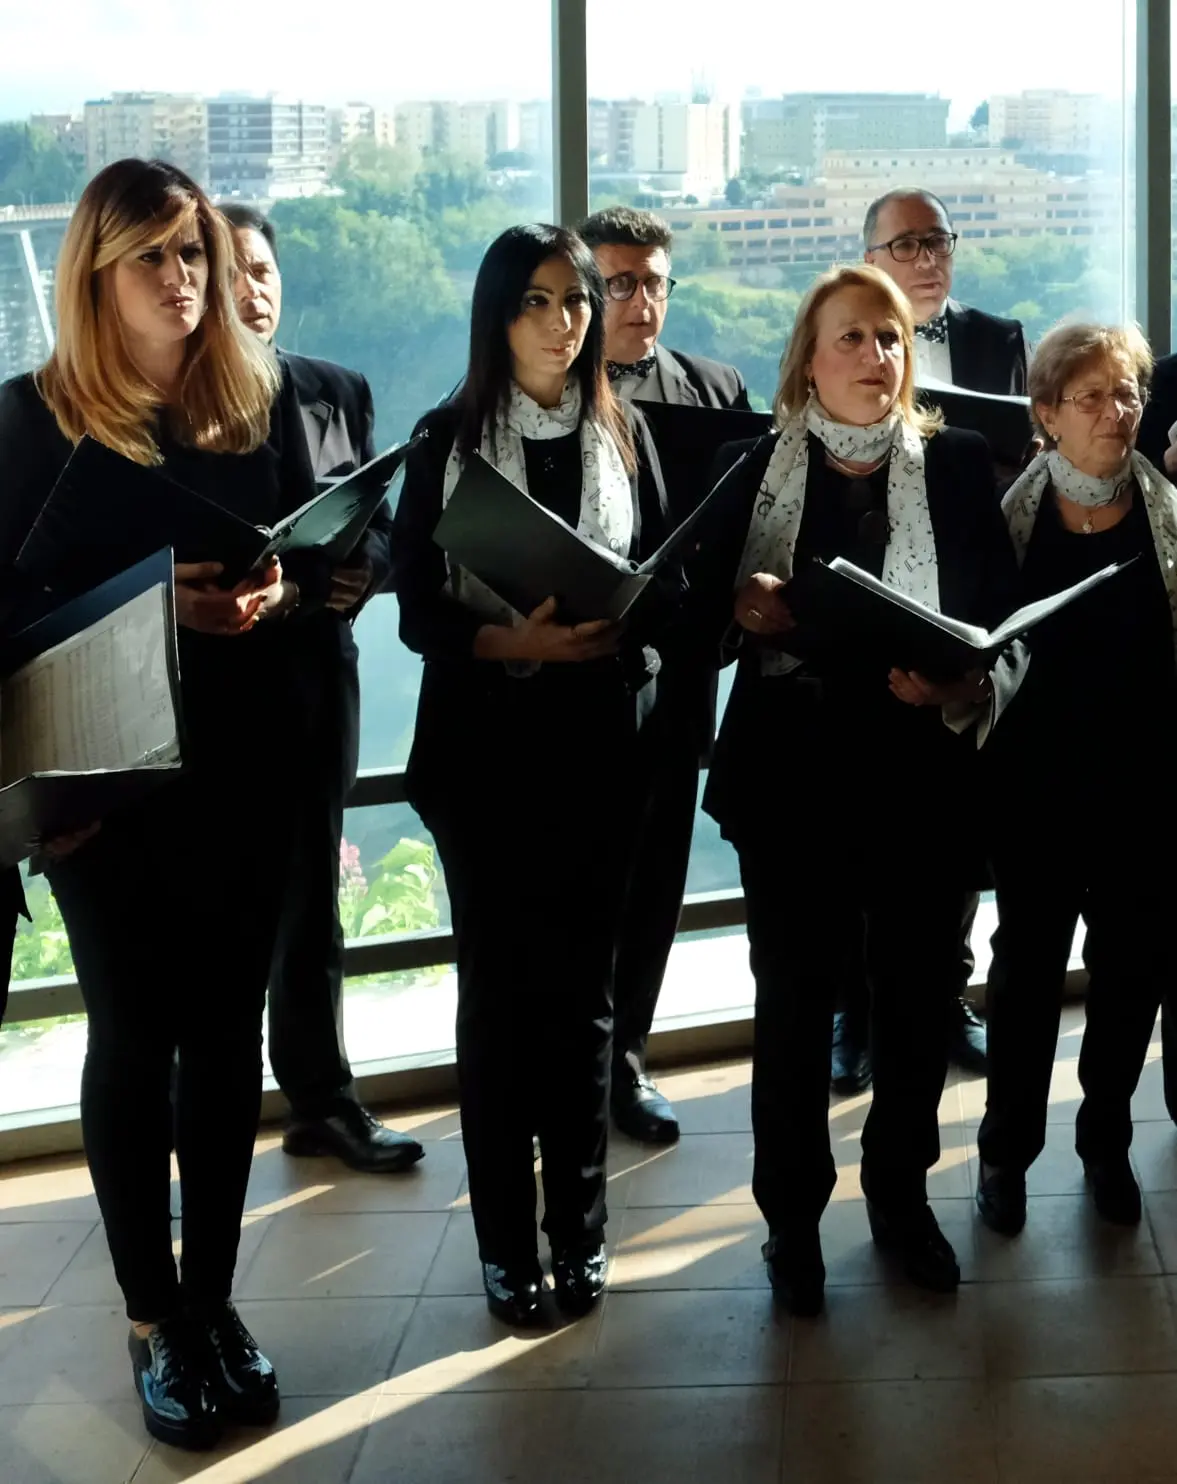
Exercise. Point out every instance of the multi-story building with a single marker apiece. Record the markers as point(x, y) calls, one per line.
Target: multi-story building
point(535, 130)
point(358, 121)
point(67, 130)
point(152, 126)
point(1054, 122)
point(796, 131)
point(473, 131)
point(676, 149)
point(266, 148)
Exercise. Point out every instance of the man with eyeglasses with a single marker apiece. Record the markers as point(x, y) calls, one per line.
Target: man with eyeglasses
point(909, 236)
point(632, 249)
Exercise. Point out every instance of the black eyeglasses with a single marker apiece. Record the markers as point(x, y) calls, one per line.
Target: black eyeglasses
point(625, 286)
point(907, 248)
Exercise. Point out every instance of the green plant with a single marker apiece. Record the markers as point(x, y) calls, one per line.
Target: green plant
point(41, 950)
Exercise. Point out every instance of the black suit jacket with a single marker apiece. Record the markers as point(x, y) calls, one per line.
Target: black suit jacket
point(1160, 413)
point(977, 580)
point(692, 381)
point(988, 353)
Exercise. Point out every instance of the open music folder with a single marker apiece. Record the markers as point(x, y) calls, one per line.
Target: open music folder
point(89, 708)
point(525, 554)
point(105, 510)
point(851, 607)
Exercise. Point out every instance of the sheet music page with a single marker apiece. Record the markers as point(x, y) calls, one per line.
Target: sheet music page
point(101, 700)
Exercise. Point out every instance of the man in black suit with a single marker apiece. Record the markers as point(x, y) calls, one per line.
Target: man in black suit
point(307, 1050)
point(908, 234)
point(632, 249)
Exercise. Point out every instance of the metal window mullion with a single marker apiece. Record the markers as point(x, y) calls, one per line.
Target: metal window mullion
point(1153, 173)
point(570, 174)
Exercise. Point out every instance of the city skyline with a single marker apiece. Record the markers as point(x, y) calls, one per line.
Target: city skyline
point(57, 57)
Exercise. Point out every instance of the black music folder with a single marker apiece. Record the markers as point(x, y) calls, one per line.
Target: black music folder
point(850, 607)
point(688, 440)
point(1004, 422)
point(105, 511)
point(525, 554)
point(89, 708)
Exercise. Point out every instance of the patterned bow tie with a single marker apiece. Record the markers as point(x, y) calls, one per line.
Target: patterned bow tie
point(935, 330)
point(642, 368)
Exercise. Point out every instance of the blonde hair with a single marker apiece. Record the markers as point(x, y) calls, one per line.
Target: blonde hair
point(90, 382)
point(1067, 349)
point(794, 388)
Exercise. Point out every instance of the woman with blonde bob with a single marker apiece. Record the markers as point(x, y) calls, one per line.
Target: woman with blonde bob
point(841, 780)
point(172, 908)
point(1080, 775)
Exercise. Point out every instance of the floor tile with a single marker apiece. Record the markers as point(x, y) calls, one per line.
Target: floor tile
point(667, 1247)
point(72, 1443)
point(706, 1338)
point(329, 1347)
point(890, 1334)
point(454, 1344)
point(1076, 1327)
point(890, 1432)
point(34, 1254)
point(1154, 1153)
point(304, 1256)
point(700, 1169)
point(1063, 1238)
point(313, 1442)
point(711, 1100)
point(1160, 1212)
point(1148, 1102)
point(58, 1189)
point(1087, 1429)
point(77, 1354)
point(326, 1186)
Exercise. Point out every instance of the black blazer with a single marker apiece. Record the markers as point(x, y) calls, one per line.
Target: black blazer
point(692, 381)
point(988, 353)
point(462, 697)
point(1160, 413)
point(977, 579)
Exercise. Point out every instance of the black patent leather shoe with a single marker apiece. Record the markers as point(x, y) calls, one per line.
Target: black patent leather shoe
point(1001, 1199)
point(242, 1379)
point(796, 1272)
point(968, 1040)
point(173, 1387)
point(850, 1069)
point(640, 1111)
point(918, 1245)
point(354, 1136)
point(513, 1293)
point(1114, 1189)
point(578, 1274)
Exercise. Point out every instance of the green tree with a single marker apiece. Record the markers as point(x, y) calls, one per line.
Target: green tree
point(35, 169)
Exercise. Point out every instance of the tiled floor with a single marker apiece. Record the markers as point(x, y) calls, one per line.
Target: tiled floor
point(1057, 1360)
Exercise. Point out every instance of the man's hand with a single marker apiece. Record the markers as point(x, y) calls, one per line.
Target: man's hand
point(349, 585)
point(913, 689)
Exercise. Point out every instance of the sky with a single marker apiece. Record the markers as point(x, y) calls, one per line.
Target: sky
point(56, 53)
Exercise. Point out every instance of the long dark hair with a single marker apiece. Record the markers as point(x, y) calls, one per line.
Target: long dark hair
point(499, 289)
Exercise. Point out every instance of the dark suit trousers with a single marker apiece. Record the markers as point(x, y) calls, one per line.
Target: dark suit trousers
point(804, 930)
point(1126, 901)
point(854, 998)
point(187, 975)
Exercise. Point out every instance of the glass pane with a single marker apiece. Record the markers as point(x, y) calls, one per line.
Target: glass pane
point(764, 158)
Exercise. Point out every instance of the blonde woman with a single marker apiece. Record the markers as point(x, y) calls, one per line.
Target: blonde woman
point(171, 908)
point(843, 782)
point(1080, 775)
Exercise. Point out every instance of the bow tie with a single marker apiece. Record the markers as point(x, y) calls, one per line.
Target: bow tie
point(935, 330)
point(642, 368)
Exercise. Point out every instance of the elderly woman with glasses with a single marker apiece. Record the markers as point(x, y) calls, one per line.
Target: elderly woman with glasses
point(841, 780)
point(1078, 773)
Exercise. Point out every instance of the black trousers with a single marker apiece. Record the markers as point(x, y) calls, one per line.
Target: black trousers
point(171, 921)
point(806, 920)
point(653, 901)
point(1125, 898)
point(854, 998)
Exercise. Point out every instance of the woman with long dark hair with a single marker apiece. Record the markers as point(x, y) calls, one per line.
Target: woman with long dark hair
point(172, 906)
point(527, 759)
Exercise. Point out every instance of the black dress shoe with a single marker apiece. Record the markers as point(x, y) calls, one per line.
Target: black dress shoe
point(579, 1277)
point(172, 1384)
point(1001, 1199)
point(243, 1380)
point(513, 1292)
point(968, 1042)
point(796, 1272)
point(355, 1137)
point(921, 1248)
point(1114, 1188)
point(850, 1069)
point(640, 1111)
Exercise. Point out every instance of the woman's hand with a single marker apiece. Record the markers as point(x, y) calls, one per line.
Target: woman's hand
point(273, 594)
point(209, 609)
point(60, 846)
point(1171, 459)
point(761, 609)
point(540, 638)
point(913, 689)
